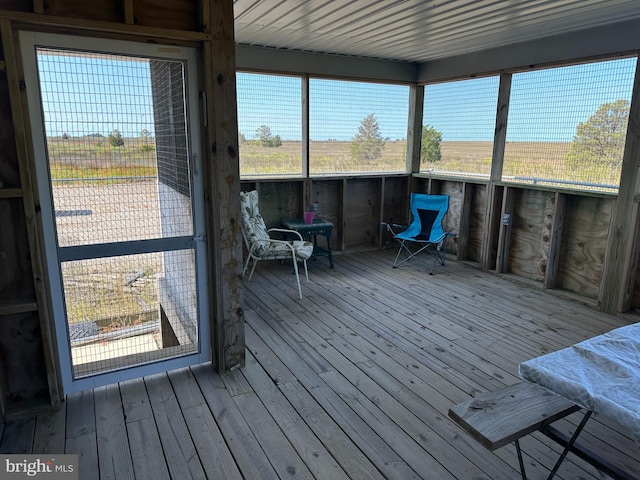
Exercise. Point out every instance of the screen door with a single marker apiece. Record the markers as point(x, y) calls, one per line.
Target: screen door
point(119, 182)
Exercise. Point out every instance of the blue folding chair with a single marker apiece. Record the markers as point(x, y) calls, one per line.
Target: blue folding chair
point(426, 231)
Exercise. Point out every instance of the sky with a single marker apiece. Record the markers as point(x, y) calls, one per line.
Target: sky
point(85, 94)
point(546, 105)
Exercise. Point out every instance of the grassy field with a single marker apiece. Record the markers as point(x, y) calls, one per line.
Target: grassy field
point(326, 157)
point(94, 157)
point(524, 161)
point(531, 162)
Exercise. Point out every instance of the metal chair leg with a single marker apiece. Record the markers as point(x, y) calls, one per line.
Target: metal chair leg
point(295, 269)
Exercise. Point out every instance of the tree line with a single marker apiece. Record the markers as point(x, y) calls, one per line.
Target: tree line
point(597, 141)
point(366, 145)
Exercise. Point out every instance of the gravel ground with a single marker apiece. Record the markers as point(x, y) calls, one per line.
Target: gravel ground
point(95, 213)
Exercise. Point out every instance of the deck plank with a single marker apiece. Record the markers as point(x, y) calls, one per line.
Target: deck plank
point(18, 435)
point(353, 381)
point(340, 446)
point(216, 458)
point(50, 428)
point(251, 459)
point(114, 454)
point(179, 450)
point(317, 458)
point(144, 440)
point(283, 456)
point(81, 438)
point(386, 459)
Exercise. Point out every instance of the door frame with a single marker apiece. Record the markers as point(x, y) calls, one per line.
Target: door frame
point(28, 43)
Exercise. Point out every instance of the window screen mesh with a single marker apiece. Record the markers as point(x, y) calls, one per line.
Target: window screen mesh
point(113, 309)
point(357, 127)
point(458, 127)
point(567, 125)
point(107, 144)
point(117, 146)
point(269, 125)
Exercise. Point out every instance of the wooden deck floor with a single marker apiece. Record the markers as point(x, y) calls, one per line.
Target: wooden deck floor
point(354, 381)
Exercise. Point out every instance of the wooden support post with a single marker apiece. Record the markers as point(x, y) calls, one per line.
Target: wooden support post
point(414, 128)
point(553, 258)
point(341, 207)
point(383, 189)
point(129, 18)
point(305, 127)
point(492, 208)
point(307, 195)
point(204, 8)
point(38, 6)
point(223, 191)
point(31, 204)
point(633, 253)
point(619, 275)
point(504, 237)
point(465, 221)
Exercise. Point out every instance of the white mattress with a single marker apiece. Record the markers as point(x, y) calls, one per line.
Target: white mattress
point(600, 374)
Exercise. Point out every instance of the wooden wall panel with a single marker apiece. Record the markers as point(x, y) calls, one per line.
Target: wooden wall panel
point(280, 200)
point(530, 233)
point(18, 5)
point(395, 207)
point(328, 195)
point(635, 298)
point(102, 10)
point(454, 190)
point(173, 14)
point(478, 207)
point(9, 172)
point(583, 245)
point(16, 280)
point(362, 213)
point(22, 364)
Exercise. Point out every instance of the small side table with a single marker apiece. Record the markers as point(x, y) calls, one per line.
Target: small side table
point(308, 230)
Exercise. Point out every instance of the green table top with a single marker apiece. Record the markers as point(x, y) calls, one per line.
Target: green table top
point(297, 224)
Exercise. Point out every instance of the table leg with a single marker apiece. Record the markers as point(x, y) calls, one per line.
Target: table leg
point(567, 449)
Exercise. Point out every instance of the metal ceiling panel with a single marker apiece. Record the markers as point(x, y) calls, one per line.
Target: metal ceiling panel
point(414, 30)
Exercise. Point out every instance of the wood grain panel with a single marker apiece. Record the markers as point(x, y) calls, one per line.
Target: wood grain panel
point(9, 173)
point(584, 242)
point(280, 200)
point(476, 233)
point(105, 10)
point(530, 233)
point(174, 14)
point(361, 212)
point(452, 220)
point(328, 194)
point(22, 364)
point(454, 190)
point(16, 280)
point(395, 207)
point(635, 299)
point(19, 5)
